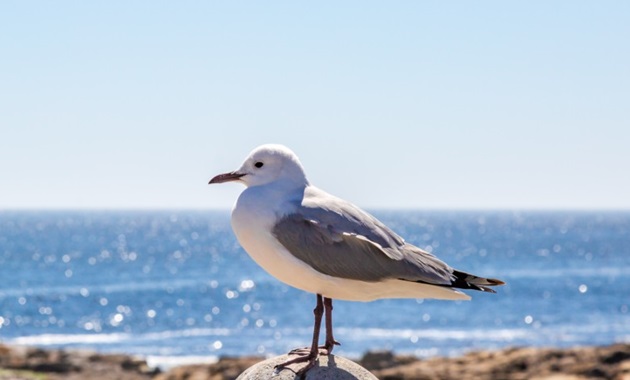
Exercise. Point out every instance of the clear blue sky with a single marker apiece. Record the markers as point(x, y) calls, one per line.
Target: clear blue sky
point(494, 104)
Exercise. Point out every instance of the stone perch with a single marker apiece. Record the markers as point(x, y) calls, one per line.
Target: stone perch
point(328, 367)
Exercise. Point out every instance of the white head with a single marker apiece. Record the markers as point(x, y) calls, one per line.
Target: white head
point(266, 164)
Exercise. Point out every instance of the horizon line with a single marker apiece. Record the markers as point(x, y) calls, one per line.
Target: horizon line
point(370, 209)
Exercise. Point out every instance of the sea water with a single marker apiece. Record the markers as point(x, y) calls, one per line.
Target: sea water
point(175, 286)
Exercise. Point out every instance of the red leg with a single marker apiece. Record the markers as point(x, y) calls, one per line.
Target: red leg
point(311, 356)
point(330, 339)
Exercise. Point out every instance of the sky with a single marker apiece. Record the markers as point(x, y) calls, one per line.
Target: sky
point(403, 105)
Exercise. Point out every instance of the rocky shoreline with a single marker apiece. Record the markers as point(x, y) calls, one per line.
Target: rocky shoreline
point(522, 363)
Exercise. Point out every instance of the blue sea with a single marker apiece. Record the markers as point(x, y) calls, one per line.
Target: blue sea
point(175, 286)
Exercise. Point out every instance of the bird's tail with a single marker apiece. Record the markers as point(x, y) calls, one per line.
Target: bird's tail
point(465, 280)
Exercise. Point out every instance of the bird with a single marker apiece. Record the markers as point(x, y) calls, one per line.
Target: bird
point(322, 244)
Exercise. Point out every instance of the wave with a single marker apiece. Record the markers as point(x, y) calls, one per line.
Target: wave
point(565, 333)
point(68, 339)
point(165, 363)
point(105, 288)
point(434, 334)
point(113, 338)
point(569, 272)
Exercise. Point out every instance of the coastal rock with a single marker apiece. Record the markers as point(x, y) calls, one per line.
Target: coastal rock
point(27, 363)
point(328, 367)
point(582, 363)
point(524, 363)
point(381, 359)
point(227, 368)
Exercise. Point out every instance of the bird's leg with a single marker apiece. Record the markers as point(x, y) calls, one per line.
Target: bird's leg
point(311, 355)
point(330, 339)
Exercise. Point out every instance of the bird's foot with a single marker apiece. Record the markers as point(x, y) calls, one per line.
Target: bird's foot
point(304, 351)
point(300, 351)
point(328, 347)
point(304, 355)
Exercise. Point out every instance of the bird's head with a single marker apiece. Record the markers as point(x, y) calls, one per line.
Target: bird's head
point(266, 164)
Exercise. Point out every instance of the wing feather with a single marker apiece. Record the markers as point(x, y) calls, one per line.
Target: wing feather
point(339, 239)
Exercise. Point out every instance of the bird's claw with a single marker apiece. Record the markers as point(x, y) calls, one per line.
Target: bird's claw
point(327, 348)
point(303, 355)
point(300, 351)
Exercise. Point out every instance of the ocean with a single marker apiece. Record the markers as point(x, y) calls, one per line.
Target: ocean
point(175, 286)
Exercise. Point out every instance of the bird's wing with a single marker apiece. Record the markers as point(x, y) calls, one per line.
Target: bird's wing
point(339, 239)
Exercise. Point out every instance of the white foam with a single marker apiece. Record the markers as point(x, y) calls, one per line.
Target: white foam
point(104, 288)
point(168, 334)
point(112, 338)
point(569, 272)
point(64, 339)
point(499, 335)
point(166, 362)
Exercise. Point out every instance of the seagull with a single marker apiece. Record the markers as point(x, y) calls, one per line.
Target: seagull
point(321, 244)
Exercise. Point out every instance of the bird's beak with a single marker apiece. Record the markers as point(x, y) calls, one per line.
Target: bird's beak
point(226, 177)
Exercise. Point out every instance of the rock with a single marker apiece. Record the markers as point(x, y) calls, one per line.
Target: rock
point(328, 367)
point(523, 363)
point(376, 360)
point(227, 368)
point(30, 363)
point(580, 363)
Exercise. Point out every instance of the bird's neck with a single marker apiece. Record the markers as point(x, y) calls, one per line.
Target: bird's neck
point(270, 200)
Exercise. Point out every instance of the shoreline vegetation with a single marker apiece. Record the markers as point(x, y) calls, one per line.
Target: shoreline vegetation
point(517, 363)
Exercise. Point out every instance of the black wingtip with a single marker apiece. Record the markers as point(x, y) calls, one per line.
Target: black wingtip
point(465, 280)
point(494, 282)
point(485, 289)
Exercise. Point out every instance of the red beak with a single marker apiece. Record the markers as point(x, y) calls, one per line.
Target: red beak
point(226, 177)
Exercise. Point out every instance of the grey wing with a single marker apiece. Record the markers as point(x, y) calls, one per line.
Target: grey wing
point(339, 239)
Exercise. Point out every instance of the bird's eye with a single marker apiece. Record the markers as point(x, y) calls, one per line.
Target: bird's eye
point(258, 164)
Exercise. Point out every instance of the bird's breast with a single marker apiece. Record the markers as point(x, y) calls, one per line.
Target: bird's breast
point(253, 221)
